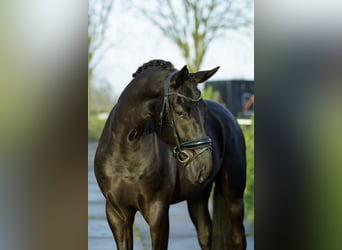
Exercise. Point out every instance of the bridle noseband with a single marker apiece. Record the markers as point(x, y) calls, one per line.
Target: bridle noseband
point(180, 150)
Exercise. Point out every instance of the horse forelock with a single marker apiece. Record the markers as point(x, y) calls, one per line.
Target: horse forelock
point(154, 63)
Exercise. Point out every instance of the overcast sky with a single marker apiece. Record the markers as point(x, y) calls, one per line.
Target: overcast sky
point(135, 41)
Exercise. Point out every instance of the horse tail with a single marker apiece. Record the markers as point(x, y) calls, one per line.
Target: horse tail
point(221, 224)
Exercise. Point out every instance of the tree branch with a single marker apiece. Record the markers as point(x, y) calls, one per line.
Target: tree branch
point(193, 25)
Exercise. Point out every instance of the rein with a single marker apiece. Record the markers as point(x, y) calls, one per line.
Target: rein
point(180, 150)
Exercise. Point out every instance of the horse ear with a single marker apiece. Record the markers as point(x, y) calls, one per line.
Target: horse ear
point(181, 76)
point(202, 76)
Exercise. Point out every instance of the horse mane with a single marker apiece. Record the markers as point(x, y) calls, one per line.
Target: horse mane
point(154, 63)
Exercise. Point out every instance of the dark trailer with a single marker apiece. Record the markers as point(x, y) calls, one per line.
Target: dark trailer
point(236, 95)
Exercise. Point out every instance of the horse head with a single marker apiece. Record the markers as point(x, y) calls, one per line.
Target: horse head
point(180, 116)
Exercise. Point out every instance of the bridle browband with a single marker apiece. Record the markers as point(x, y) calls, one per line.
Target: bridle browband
point(180, 150)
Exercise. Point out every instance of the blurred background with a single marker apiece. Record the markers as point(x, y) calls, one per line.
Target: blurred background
point(44, 119)
point(122, 35)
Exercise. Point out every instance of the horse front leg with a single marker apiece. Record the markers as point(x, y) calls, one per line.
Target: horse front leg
point(199, 214)
point(121, 223)
point(158, 220)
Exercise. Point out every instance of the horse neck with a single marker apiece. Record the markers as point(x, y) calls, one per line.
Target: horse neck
point(133, 111)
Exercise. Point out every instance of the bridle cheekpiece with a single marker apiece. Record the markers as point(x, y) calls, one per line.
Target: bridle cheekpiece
point(180, 150)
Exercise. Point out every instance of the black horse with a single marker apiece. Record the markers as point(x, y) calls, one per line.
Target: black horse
point(163, 144)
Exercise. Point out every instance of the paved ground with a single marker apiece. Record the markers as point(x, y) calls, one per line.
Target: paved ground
point(182, 232)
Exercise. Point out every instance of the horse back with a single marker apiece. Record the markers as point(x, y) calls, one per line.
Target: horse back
point(228, 145)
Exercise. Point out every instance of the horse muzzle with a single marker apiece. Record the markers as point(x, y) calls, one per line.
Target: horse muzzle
point(181, 152)
point(194, 157)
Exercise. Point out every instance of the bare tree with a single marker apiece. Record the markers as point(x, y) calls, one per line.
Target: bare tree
point(98, 13)
point(192, 25)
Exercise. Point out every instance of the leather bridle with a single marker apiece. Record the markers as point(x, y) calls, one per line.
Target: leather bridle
point(180, 150)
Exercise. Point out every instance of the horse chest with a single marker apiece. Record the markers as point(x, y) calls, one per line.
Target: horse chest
point(131, 173)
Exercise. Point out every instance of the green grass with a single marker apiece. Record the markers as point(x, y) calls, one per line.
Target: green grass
point(95, 127)
point(249, 192)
